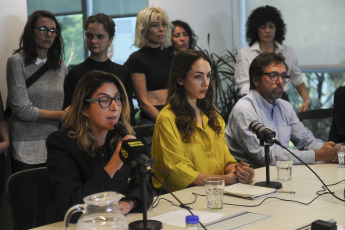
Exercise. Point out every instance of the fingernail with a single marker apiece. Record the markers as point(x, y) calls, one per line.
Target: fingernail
point(250, 165)
point(235, 172)
point(235, 166)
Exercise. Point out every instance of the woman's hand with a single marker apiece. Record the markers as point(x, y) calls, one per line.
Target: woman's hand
point(115, 163)
point(244, 172)
point(126, 206)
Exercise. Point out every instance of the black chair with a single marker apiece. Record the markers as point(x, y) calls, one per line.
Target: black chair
point(318, 121)
point(28, 197)
point(144, 133)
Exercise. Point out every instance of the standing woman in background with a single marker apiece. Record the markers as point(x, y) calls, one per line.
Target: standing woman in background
point(183, 37)
point(265, 32)
point(4, 142)
point(36, 111)
point(99, 34)
point(149, 66)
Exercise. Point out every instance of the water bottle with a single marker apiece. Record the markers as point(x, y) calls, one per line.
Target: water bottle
point(192, 223)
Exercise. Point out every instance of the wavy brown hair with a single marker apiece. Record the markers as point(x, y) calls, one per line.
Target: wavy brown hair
point(27, 42)
point(78, 124)
point(177, 98)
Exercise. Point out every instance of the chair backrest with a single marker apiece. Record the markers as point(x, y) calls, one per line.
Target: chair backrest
point(318, 121)
point(144, 133)
point(29, 197)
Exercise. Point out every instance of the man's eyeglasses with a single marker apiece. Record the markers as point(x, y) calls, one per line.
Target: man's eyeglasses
point(275, 75)
point(105, 101)
point(44, 30)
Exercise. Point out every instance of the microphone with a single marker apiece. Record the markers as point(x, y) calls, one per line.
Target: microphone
point(263, 133)
point(133, 152)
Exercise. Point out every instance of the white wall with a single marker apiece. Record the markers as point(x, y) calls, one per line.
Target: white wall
point(13, 16)
point(220, 18)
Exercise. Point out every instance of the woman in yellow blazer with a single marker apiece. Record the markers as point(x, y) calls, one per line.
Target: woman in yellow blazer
point(188, 140)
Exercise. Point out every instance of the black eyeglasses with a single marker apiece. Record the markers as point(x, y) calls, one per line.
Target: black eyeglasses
point(105, 101)
point(44, 30)
point(275, 75)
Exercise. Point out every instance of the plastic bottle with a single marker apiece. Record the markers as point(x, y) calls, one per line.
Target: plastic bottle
point(192, 223)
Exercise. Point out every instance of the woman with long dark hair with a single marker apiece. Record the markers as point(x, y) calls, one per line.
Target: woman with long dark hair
point(36, 109)
point(188, 140)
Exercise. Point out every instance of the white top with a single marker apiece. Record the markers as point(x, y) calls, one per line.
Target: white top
point(248, 53)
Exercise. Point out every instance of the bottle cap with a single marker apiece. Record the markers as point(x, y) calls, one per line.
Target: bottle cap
point(192, 219)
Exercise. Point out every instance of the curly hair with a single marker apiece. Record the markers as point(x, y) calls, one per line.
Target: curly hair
point(78, 123)
point(185, 116)
point(192, 37)
point(260, 16)
point(105, 20)
point(144, 19)
point(27, 43)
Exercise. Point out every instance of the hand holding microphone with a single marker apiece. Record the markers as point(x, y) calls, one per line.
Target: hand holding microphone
point(133, 152)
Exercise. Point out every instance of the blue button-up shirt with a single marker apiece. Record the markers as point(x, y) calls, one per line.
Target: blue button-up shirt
point(279, 117)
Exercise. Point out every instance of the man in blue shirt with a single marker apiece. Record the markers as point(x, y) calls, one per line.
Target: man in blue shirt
point(267, 75)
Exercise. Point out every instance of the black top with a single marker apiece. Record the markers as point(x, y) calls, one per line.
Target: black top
point(154, 63)
point(73, 174)
point(108, 66)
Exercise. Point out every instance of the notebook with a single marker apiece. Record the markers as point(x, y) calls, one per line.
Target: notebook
point(248, 191)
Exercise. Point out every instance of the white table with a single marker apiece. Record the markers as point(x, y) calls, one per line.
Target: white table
point(283, 215)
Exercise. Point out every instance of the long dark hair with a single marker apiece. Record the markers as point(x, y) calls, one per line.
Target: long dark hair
point(27, 42)
point(177, 98)
point(260, 16)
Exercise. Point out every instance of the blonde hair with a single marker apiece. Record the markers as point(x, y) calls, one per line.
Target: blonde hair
point(144, 19)
point(78, 124)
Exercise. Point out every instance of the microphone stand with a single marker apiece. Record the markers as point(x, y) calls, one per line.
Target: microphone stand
point(145, 224)
point(268, 183)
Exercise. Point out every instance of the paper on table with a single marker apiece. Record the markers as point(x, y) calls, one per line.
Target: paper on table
point(178, 217)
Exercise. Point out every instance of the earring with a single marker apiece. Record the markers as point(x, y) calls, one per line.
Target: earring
point(180, 82)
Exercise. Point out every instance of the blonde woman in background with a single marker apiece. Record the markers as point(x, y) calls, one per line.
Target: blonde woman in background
point(149, 66)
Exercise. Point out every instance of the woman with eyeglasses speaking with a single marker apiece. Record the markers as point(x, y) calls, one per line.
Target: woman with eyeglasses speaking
point(83, 157)
point(35, 76)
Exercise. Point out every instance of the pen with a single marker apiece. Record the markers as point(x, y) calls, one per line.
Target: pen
point(285, 191)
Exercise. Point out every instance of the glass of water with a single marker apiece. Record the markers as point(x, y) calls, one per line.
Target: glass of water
point(214, 188)
point(341, 154)
point(284, 164)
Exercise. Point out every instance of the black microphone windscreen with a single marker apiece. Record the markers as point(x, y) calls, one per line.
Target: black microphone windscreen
point(131, 150)
point(121, 129)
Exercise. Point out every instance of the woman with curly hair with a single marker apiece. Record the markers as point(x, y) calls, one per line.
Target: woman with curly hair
point(36, 109)
point(188, 140)
point(265, 32)
point(183, 37)
point(83, 157)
